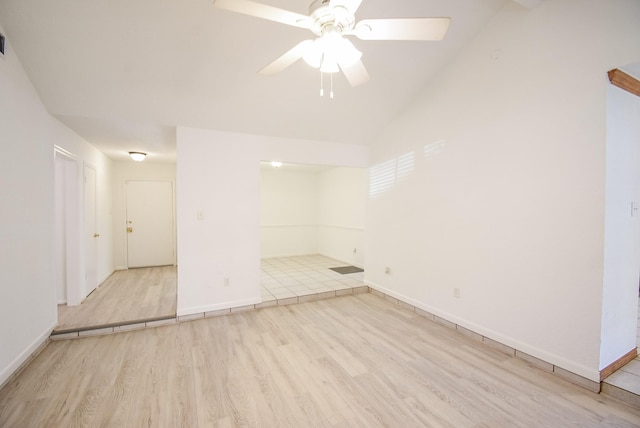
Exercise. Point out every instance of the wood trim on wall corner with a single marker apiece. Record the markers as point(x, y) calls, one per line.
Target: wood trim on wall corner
point(624, 81)
point(617, 364)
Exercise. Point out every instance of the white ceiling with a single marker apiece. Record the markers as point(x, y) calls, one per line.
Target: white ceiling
point(124, 73)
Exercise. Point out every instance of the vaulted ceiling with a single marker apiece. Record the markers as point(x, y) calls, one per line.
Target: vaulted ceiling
point(123, 74)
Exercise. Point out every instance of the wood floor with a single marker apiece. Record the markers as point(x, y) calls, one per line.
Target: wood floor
point(353, 361)
point(127, 295)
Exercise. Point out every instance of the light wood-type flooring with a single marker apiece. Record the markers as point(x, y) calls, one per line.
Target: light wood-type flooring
point(351, 361)
point(127, 295)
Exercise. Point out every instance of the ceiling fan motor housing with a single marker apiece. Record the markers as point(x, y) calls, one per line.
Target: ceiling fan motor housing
point(326, 18)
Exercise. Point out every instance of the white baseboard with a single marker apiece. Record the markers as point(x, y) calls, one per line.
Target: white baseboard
point(517, 345)
point(218, 306)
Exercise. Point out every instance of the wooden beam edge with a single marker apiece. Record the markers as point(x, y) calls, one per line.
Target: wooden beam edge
point(617, 364)
point(624, 81)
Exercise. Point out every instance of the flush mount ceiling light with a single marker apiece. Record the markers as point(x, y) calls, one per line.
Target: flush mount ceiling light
point(331, 21)
point(137, 156)
point(276, 164)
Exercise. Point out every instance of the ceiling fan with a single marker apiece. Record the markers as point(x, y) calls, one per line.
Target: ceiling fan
point(331, 21)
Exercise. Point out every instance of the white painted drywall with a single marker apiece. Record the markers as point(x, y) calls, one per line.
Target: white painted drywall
point(306, 211)
point(131, 170)
point(622, 226)
point(27, 137)
point(218, 206)
point(342, 194)
point(288, 212)
point(506, 196)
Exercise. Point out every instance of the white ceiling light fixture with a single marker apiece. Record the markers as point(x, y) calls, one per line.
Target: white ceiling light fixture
point(276, 164)
point(331, 21)
point(138, 156)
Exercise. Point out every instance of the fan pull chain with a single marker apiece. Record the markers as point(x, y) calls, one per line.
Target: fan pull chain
point(322, 84)
point(331, 93)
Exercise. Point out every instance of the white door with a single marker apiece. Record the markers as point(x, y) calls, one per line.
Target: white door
point(68, 231)
point(90, 232)
point(150, 237)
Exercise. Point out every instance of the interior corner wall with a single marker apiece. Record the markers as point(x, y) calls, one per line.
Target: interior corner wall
point(493, 182)
point(341, 218)
point(218, 209)
point(288, 212)
point(622, 227)
point(313, 212)
point(28, 135)
point(131, 170)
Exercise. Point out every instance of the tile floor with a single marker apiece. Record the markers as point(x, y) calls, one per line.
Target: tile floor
point(287, 277)
point(626, 380)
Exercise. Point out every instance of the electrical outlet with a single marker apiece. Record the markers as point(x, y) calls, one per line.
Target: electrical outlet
point(456, 293)
point(387, 270)
point(355, 250)
point(226, 281)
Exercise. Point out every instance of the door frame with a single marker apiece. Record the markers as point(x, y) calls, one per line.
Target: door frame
point(73, 245)
point(90, 284)
point(173, 215)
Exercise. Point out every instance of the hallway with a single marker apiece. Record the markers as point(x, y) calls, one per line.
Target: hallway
point(126, 296)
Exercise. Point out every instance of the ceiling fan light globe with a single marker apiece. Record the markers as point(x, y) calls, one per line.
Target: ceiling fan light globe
point(347, 53)
point(312, 60)
point(329, 66)
point(330, 60)
point(313, 55)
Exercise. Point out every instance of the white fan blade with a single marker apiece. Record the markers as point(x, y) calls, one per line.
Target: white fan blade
point(264, 11)
point(356, 74)
point(402, 29)
point(291, 56)
point(351, 5)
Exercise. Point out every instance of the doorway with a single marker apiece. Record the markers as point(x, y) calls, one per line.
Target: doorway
point(68, 249)
point(150, 223)
point(311, 209)
point(619, 325)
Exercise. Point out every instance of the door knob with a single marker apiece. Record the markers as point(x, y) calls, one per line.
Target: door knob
point(96, 235)
point(129, 229)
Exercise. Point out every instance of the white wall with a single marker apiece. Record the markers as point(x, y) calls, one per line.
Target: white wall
point(131, 170)
point(341, 218)
point(27, 137)
point(218, 174)
point(622, 230)
point(505, 196)
point(310, 211)
point(288, 212)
